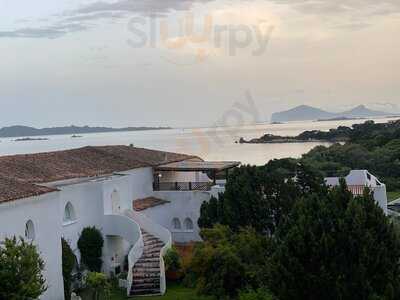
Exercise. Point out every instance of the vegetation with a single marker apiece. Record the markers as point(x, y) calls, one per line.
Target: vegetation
point(20, 270)
point(260, 294)
point(90, 245)
point(392, 196)
point(98, 285)
point(174, 292)
point(340, 134)
point(227, 262)
point(261, 197)
point(172, 260)
point(68, 263)
point(371, 146)
point(285, 231)
point(335, 247)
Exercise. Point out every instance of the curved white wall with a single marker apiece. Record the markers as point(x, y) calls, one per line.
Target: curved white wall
point(182, 205)
point(46, 217)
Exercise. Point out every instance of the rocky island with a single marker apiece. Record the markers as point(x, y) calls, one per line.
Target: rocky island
point(341, 134)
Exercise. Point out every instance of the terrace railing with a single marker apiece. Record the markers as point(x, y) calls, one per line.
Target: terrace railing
point(182, 186)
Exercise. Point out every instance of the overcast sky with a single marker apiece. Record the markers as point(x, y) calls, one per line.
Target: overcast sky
point(141, 62)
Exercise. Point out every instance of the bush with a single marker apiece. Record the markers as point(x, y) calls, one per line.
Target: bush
point(99, 285)
point(260, 294)
point(219, 271)
point(172, 260)
point(68, 263)
point(90, 245)
point(20, 270)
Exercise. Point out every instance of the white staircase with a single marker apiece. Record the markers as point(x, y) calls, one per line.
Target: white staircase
point(146, 274)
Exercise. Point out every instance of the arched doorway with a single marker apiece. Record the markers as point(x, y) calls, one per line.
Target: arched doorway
point(115, 202)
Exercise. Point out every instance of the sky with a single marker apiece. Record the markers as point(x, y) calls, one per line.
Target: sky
point(189, 63)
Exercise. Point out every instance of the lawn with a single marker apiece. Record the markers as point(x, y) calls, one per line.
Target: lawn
point(174, 292)
point(393, 196)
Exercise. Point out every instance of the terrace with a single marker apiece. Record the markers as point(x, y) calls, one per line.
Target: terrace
point(191, 175)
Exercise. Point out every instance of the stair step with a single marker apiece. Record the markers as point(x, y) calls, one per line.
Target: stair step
point(147, 265)
point(146, 280)
point(143, 286)
point(151, 248)
point(141, 276)
point(148, 260)
point(155, 244)
point(151, 240)
point(146, 271)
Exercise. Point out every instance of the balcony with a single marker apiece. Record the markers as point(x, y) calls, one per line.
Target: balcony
point(201, 175)
point(182, 186)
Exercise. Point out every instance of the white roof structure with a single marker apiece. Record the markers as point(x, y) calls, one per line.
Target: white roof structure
point(358, 180)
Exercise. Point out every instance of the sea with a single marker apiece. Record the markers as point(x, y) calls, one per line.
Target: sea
point(216, 143)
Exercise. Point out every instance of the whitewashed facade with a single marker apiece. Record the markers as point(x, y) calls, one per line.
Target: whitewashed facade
point(106, 203)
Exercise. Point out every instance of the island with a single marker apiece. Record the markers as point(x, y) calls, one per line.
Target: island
point(27, 139)
point(341, 134)
point(309, 113)
point(22, 131)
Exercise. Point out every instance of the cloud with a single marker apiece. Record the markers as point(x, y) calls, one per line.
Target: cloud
point(49, 32)
point(95, 16)
point(147, 7)
point(329, 7)
point(75, 20)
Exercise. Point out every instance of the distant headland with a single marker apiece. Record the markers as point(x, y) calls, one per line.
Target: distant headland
point(309, 113)
point(23, 131)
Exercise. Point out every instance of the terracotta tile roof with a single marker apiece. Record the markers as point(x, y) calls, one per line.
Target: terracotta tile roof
point(11, 189)
point(19, 174)
point(142, 204)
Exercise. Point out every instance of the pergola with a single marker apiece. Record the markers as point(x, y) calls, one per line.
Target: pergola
point(213, 167)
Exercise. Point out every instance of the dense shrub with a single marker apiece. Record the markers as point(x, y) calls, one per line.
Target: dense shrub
point(172, 260)
point(227, 262)
point(99, 285)
point(336, 247)
point(90, 245)
point(68, 263)
point(20, 270)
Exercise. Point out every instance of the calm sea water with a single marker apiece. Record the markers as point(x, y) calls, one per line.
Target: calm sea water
point(208, 143)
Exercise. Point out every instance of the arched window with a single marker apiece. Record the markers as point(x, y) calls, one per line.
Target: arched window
point(188, 224)
point(115, 202)
point(29, 230)
point(176, 224)
point(69, 213)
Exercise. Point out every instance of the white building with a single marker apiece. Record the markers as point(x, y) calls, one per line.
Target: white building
point(47, 196)
point(358, 180)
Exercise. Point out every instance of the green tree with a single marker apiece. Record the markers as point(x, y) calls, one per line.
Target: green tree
point(68, 263)
point(90, 245)
point(261, 197)
point(20, 270)
point(227, 262)
point(99, 285)
point(335, 246)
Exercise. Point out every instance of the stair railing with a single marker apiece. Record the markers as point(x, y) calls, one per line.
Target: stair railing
point(134, 255)
point(158, 231)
